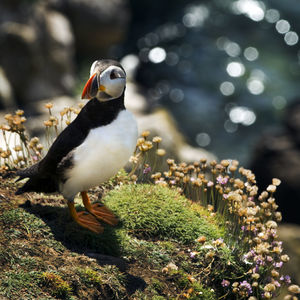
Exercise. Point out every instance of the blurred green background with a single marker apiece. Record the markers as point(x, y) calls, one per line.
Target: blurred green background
point(225, 69)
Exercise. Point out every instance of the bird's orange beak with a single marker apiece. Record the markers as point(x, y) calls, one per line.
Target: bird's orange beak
point(91, 88)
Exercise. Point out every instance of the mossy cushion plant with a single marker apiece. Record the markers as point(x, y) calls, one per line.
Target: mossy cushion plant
point(152, 211)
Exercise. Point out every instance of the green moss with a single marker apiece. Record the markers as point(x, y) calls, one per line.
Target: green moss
point(90, 277)
point(151, 211)
point(56, 285)
point(107, 279)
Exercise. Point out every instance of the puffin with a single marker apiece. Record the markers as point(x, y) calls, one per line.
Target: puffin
point(92, 149)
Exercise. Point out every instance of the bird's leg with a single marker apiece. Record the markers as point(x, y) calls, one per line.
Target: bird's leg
point(99, 210)
point(85, 219)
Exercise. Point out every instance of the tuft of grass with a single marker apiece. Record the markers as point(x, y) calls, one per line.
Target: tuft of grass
point(13, 283)
point(149, 211)
point(154, 253)
point(57, 286)
point(115, 280)
point(18, 218)
point(109, 280)
point(157, 285)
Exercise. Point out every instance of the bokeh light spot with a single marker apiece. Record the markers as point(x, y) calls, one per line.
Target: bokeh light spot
point(251, 53)
point(272, 15)
point(279, 102)
point(227, 88)
point(157, 55)
point(221, 42)
point(176, 95)
point(203, 139)
point(251, 8)
point(195, 16)
point(283, 26)
point(235, 69)
point(230, 127)
point(255, 86)
point(242, 115)
point(291, 38)
point(232, 49)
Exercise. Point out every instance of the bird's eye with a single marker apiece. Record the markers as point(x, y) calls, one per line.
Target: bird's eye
point(113, 74)
point(116, 73)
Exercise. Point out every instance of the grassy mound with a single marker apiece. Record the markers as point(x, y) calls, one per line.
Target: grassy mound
point(45, 255)
point(149, 211)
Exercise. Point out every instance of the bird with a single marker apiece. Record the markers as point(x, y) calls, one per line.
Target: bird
point(92, 149)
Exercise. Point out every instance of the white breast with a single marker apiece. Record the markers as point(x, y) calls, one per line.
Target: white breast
point(103, 153)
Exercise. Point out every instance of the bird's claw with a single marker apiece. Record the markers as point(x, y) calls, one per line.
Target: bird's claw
point(101, 212)
point(88, 221)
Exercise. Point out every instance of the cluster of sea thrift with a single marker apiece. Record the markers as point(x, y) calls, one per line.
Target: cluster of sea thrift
point(141, 155)
point(20, 151)
point(251, 219)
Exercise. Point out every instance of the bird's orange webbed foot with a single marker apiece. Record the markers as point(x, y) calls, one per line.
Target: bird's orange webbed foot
point(85, 219)
point(99, 210)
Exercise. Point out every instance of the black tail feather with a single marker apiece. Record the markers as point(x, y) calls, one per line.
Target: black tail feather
point(20, 191)
point(37, 182)
point(27, 187)
point(28, 172)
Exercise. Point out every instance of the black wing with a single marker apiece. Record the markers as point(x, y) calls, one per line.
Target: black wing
point(45, 175)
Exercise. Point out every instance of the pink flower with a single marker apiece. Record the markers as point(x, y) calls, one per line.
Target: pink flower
point(147, 170)
point(222, 180)
point(225, 283)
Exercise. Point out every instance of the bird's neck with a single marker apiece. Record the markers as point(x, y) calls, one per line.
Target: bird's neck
point(102, 113)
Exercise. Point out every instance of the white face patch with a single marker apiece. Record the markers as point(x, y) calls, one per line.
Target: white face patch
point(114, 86)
